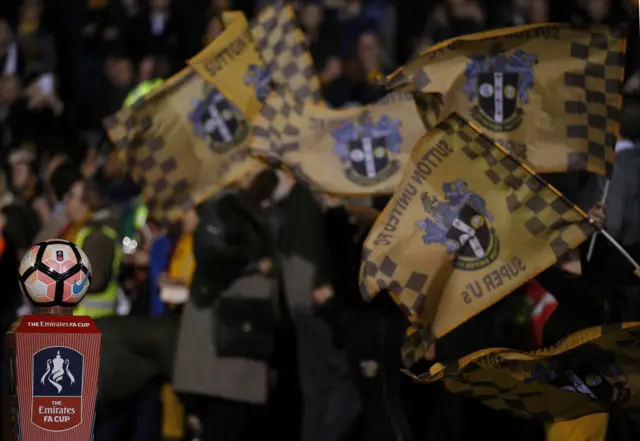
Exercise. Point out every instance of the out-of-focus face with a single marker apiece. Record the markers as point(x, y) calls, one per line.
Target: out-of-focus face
point(145, 68)
point(311, 17)
point(212, 31)
point(368, 48)
point(6, 36)
point(539, 11)
point(190, 221)
point(160, 5)
point(20, 174)
point(30, 14)
point(598, 9)
point(121, 72)
point(77, 210)
point(10, 90)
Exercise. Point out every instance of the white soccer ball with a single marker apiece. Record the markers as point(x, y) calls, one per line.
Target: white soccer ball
point(54, 273)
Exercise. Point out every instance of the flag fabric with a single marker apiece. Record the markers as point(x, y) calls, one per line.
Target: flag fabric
point(356, 152)
point(467, 225)
point(183, 142)
point(284, 51)
point(591, 371)
point(549, 93)
point(246, 59)
point(231, 63)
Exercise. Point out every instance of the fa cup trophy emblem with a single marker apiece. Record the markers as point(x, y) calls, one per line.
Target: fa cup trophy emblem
point(56, 370)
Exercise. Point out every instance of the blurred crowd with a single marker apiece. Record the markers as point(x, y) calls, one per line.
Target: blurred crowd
point(66, 65)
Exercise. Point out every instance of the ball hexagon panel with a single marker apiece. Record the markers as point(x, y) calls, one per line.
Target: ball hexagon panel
point(40, 287)
point(29, 259)
point(59, 257)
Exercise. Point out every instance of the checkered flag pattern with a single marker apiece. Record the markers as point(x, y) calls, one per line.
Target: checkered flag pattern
point(410, 292)
point(273, 133)
point(529, 223)
point(165, 181)
point(430, 108)
point(175, 167)
point(546, 209)
point(510, 380)
point(595, 119)
point(578, 95)
point(416, 344)
point(284, 51)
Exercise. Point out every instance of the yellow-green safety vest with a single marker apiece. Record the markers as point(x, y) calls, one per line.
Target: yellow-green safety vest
point(140, 91)
point(101, 304)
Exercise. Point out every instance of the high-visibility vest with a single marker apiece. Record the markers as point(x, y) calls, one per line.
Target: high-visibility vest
point(101, 304)
point(140, 91)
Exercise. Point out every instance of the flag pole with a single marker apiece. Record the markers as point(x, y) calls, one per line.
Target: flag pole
point(620, 249)
point(592, 244)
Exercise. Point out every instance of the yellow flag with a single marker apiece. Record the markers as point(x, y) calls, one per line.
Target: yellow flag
point(184, 142)
point(589, 372)
point(466, 226)
point(355, 152)
point(232, 64)
point(284, 50)
point(549, 93)
point(246, 58)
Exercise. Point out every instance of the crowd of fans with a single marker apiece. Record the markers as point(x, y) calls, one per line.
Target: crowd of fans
point(66, 65)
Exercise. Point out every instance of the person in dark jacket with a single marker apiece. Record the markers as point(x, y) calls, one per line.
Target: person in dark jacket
point(330, 399)
point(372, 333)
point(234, 251)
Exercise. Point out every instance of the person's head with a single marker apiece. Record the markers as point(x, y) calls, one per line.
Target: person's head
point(62, 179)
point(10, 89)
point(146, 68)
point(259, 184)
point(120, 71)
point(6, 35)
point(629, 121)
point(30, 13)
point(85, 197)
point(369, 48)
point(598, 10)
point(213, 29)
point(23, 168)
point(190, 221)
point(311, 17)
point(538, 11)
point(159, 5)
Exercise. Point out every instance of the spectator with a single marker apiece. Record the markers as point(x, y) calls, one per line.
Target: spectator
point(154, 31)
point(12, 61)
point(88, 204)
point(370, 55)
point(233, 248)
point(63, 177)
point(36, 44)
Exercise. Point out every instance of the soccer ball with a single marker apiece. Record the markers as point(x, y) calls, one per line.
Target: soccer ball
point(54, 273)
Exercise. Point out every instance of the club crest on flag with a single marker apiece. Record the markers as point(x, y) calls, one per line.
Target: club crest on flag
point(216, 118)
point(584, 378)
point(499, 84)
point(260, 79)
point(461, 223)
point(57, 388)
point(369, 148)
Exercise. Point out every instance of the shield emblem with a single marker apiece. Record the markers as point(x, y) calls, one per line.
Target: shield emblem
point(368, 156)
point(498, 95)
point(219, 119)
point(472, 232)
